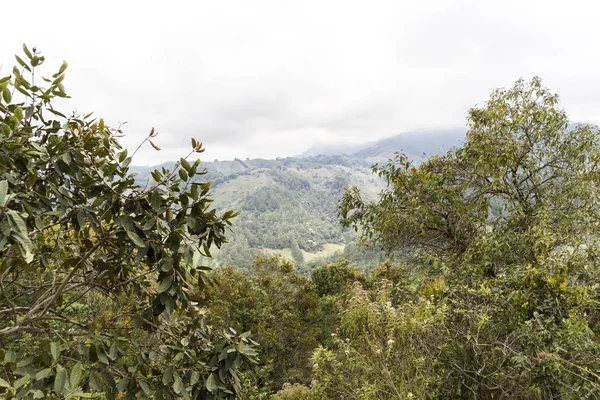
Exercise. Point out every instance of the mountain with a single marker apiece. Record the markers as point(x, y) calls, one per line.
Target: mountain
point(289, 205)
point(333, 148)
point(419, 144)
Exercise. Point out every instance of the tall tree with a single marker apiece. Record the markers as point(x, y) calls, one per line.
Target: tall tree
point(508, 226)
point(99, 278)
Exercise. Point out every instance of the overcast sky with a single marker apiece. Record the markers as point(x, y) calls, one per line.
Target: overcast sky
point(270, 78)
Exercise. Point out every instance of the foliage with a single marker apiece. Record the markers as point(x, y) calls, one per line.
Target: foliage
point(505, 228)
point(279, 307)
point(296, 392)
point(99, 278)
point(382, 351)
point(283, 202)
point(334, 279)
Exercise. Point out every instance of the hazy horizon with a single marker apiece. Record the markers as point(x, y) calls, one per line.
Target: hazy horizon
point(270, 79)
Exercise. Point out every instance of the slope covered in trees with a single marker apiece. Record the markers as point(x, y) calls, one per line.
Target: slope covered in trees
point(289, 205)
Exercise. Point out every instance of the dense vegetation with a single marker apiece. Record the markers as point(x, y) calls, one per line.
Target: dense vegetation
point(478, 278)
point(288, 205)
point(100, 278)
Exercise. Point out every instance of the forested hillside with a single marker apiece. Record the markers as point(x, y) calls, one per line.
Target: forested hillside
point(289, 205)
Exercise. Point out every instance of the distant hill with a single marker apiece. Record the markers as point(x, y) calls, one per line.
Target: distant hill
point(289, 205)
point(418, 144)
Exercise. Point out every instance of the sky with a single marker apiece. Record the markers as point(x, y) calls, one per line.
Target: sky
point(270, 78)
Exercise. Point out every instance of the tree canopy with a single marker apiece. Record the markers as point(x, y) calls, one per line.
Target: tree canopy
point(505, 228)
point(99, 277)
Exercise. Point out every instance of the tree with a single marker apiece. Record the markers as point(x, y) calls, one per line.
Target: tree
point(382, 351)
point(99, 278)
point(335, 278)
point(506, 229)
point(279, 307)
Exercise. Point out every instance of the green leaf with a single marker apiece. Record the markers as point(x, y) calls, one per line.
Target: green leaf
point(3, 193)
point(60, 379)
point(43, 373)
point(186, 165)
point(165, 284)
point(144, 386)
point(17, 222)
point(211, 385)
point(167, 376)
point(101, 354)
point(113, 352)
point(156, 175)
point(122, 155)
point(27, 52)
point(22, 381)
point(96, 381)
point(136, 239)
point(155, 200)
point(153, 145)
point(194, 378)
point(6, 95)
point(18, 113)
point(23, 63)
point(24, 245)
point(183, 175)
point(63, 67)
point(76, 373)
point(55, 350)
point(178, 385)
point(5, 384)
point(166, 264)
point(10, 357)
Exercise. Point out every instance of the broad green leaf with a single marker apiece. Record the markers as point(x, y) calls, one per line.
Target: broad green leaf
point(43, 373)
point(136, 239)
point(10, 357)
point(155, 200)
point(186, 165)
point(17, 222)
point(27, 52)
point(144, 386)
point(211, 385)
point(165, 284)
point(101, 354)
point(60, 379)
point(76, 375)
point(96, 381)
point(178, 385)
point(55, 350)
point(182, 174)
point(167, 376)
point(22, 381)
point(113, 352)
point(194, 378)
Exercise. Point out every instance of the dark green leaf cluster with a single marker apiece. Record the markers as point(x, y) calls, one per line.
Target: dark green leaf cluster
point(99, 277)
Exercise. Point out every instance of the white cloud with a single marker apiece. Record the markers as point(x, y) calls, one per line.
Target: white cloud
point(267, 78)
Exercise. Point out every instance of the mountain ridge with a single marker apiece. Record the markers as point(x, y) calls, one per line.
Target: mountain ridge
point(289, 204)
